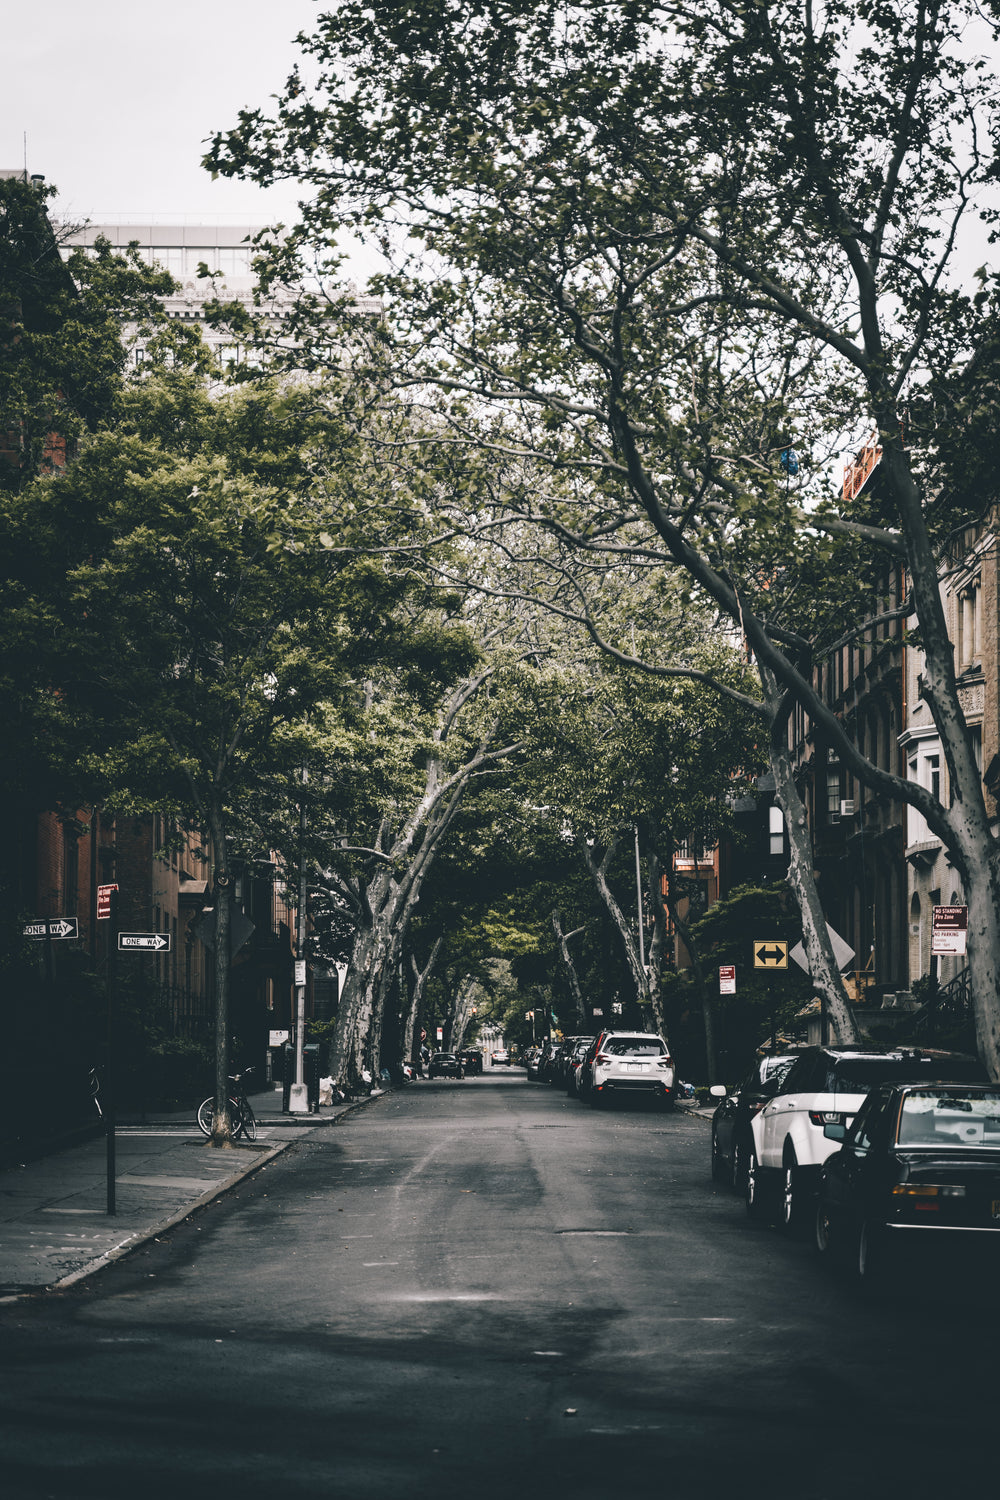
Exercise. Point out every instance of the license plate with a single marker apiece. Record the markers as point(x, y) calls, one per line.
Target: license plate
point(635, 1067)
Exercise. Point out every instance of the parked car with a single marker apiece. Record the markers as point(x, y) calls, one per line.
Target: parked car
point(550, 1049)
point(920, 1162)
point(574, 1061)
point(827, 1086)
point(531, 1060)
point(500, 1056)
point(446, 1065)
point(627, 1063)
point(732, 1138)
point(471, 1060)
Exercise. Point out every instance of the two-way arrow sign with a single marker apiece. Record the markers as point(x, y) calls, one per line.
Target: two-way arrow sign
point(155, 942)
point(771, 953)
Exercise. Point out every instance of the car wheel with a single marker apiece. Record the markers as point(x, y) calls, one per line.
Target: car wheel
point(737, 1166)
point(755, 1195)
point(719, 1172)
point(823, 1235)
point(871, 1253)
point(791, 1195)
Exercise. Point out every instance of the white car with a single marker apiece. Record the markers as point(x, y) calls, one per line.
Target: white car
point(499, 1057)
point(628, 1062)
point(827, 1086)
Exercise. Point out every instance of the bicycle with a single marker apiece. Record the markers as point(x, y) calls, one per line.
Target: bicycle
point(242, 1119)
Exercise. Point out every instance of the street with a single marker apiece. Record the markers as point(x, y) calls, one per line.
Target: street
point(483, 1287)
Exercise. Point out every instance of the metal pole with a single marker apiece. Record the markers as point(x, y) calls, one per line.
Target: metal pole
point(298, 1094)
point(638, 898)
point(107, 1089)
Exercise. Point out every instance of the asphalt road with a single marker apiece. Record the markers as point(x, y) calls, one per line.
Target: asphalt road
point(486, 1289)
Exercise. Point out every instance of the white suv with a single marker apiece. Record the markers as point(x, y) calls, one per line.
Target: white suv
point(827, 1086)
point(628, 1062)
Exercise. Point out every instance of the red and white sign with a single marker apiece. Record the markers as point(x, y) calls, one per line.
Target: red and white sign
point(727, 979)
point(440, 1033)
point(104, 902)
point(950, 928)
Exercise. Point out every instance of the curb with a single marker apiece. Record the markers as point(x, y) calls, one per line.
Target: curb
point(142, 1236)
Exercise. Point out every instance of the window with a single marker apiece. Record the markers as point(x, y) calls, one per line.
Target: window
point(833, 792)
point(924, 767)
point(969, 624)
point(861, 1131)
point(776, 830)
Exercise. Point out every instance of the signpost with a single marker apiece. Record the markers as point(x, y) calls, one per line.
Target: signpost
point(949, 929)
point(53, 927)
point(150, 942)
point(842, 951)
point(104, 894)
point(727, 979)
point(770, 953)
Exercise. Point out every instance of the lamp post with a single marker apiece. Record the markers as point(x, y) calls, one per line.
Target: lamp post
point(298, 1094)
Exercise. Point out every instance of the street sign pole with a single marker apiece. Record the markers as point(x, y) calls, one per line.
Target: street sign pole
point(108, 1090)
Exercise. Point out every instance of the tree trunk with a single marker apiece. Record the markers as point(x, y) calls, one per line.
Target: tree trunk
point(563, 940)
point(697, 967)
point(460, 1013)
point(823, 969)
point(222, 1134)
point(420, 977)
point(647, 989)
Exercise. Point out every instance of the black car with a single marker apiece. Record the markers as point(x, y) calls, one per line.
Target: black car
point(919, 1165)
point(446, 1065)
point(732, 1140)
point(471, 1060)
point(575, 1057)
point(545, 1061)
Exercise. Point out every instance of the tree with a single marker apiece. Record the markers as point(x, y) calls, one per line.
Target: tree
point(205, 615)
point(677, 244)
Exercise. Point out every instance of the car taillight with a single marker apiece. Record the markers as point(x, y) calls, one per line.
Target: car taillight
point(928, 1190)
point(823, 1117)
point(602, 1057)
point(664, 1062)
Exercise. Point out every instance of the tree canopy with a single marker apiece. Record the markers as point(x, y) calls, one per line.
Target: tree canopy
point(681, 258)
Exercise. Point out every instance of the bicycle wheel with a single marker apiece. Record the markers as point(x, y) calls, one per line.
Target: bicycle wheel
point(248, 1120)
point(205, 1112)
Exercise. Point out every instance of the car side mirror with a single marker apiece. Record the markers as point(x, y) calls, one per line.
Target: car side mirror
point(718, 1091)
point(835, 1132)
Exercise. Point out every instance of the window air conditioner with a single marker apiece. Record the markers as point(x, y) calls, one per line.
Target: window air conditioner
point(847, 807)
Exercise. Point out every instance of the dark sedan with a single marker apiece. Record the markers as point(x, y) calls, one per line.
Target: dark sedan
point(446, 1065)
point(920, 1164)
point(732, 1140)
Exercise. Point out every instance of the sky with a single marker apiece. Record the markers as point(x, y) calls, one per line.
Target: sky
point(116, 97)
point(112, 102)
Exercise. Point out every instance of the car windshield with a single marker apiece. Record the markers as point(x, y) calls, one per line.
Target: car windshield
point(626, 1046)
point(949, 1117)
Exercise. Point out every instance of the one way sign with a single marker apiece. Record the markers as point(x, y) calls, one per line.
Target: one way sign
point(153, 942)
point(770, 953)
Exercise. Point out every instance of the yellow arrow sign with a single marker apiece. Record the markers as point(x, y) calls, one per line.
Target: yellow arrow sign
point(770, 953)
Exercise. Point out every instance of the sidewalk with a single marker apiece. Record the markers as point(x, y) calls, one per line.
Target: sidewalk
point(54, 1224)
